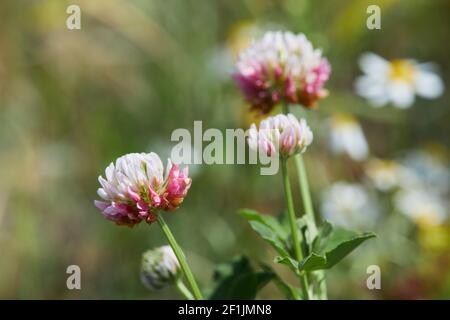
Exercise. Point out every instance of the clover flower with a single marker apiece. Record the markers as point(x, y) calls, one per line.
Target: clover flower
point(346, 136)
point(396, 81)
point(136, 187)
point(281, 134)
point(282, 67)
point(159, 267)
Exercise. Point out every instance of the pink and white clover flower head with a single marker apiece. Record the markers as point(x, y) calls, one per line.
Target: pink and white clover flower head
point(136, 188)
point(282, 67)
point(282, 134)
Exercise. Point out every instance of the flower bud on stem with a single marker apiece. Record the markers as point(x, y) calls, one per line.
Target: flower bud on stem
point(309, 211)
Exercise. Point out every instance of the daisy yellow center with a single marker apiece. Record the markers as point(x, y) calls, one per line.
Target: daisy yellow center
point(387, 166)
point(402, 70)
point(343, 119)
point(435, 237)
point(427, 218)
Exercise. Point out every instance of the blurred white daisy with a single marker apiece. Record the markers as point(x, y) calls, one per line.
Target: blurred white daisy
point(427, 169)
point(422, 206)
point(396, 81)
point(346, 137)
point(348, 205)
point(425, 186)
point(385, 174)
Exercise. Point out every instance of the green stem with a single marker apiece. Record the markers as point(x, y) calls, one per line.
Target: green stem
point(183, 290)
point(181, 258)
point(293, 225)
point(309, 211)
point(308, 208)
point(304, 189)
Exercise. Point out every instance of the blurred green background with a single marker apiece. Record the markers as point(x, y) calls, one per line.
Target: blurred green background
point(72, 101)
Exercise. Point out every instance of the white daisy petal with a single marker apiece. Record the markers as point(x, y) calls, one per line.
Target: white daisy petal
point(401, 94)
point(346, 136)
point(371, 63)
point(428, 85)
point(369, 87)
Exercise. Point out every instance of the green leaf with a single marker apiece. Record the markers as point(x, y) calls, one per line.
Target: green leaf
point(238, 281)
point(313, 261)
point(331, 246)
point(268, 221)
point(289, 291)
point(341, 242)
point(325, 229)
point(324, 233)
point(306, 226)
point(268, 228)
point(290, 262)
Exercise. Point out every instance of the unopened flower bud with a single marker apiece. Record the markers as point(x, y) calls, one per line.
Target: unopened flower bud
point(282, 134)
point(159, 268)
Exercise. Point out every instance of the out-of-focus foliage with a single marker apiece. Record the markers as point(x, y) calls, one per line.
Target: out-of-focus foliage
point(73, 101)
